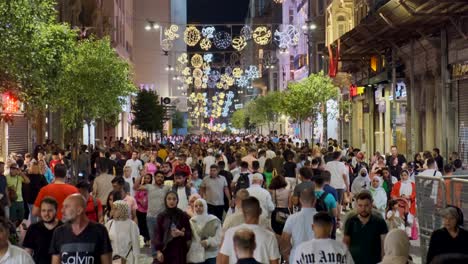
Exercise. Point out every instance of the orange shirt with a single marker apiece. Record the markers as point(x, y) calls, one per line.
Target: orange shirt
point(57, 191)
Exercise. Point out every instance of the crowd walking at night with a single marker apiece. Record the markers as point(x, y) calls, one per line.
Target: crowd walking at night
point(220, 199)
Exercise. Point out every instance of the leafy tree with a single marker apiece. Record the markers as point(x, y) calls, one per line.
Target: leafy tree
point(148, 112)
point(265, 109)
point(93, 84)
point(32, 48)
point(238, 118)
point(178, 120)
point(307, 97)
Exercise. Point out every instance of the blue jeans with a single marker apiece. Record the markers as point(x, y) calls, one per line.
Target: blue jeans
point(151, 223)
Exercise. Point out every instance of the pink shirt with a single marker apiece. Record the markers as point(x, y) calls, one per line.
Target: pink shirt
point(132, 204)
point(141, 198)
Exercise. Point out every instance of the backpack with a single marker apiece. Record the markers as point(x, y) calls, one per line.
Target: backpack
point(320, 205)
point(243, 182)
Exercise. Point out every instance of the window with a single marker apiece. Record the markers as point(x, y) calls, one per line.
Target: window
point(275, 81)
point(320, 6)
point(291, 16)
point(291, 62)
point(342, 26)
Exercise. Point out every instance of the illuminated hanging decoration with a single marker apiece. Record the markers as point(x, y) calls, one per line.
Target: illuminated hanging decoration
point(171, 32)
point(197, 83)
point(208, 32)
point(252, 72)
point(167, 45)
point(186, 71)
point(278, 1)
point(219, 85)
point(197, 73)
point(205, 44)
point(239, 43)
point(237, 72)
point(183, 58)
point(230, 81)
point(287, 38)
point(197, 61)
point(208, 57)
point(206, 70)
point(211, 83)
point(246, 32)
point(242, 81)
point(262, 35)
point(222, 40)
point(192, 36)
point(228, 70)
point(215, 75)
point(189, 80)
point(204, 86)
point(205, 79)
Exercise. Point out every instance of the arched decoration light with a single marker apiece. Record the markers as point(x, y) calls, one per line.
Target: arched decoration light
point(192, 36)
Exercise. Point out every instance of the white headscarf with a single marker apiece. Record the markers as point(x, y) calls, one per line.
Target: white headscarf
point(379, 195)
point(201, 219)
point(361, 182)
point(396, 247)
point(406, 187)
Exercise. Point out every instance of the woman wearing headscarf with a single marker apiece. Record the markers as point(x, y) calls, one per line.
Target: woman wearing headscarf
point(379, 195)
point(396, 248)
point(206, 235)
point(172, 233)
point(405, 189)
point(124, 234)
point(190, 211)
point(362, 182)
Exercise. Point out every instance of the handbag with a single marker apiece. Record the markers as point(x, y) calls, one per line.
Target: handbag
point(280, 216)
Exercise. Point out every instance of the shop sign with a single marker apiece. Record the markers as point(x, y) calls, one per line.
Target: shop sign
point(356, 90)
point(460, 70)
point(400, 90)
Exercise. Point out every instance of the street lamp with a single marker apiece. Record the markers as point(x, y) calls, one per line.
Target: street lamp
point(152, 25)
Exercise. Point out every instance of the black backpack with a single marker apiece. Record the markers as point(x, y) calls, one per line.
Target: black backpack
point(320, 205)
point(243, 182)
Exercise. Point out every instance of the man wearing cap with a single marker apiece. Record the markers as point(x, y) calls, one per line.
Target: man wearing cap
point(450, 239)
point(263, 196)
point(208, 161)
point(15, 180)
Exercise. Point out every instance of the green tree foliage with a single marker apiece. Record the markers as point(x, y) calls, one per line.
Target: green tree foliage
point(93, 84)
point(178, 120)
point(238, 118)
point(31, 49)
point(265, 109)
point(148, 112)
point(307, 97)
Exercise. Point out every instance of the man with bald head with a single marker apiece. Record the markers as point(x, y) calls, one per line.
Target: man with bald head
point(79, 240)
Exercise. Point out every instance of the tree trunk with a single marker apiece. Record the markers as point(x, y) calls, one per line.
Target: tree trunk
point(325, 126)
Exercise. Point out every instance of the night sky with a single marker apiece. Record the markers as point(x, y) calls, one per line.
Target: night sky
point(216, 11)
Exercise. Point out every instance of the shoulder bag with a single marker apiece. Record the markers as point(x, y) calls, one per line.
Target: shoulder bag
point(280, 216)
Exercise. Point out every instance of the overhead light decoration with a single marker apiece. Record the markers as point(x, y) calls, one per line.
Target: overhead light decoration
point(208, 57)
point(222, 40)
point(262, 35)
point(196, 61)
point(189, 80)
point(252, 72)
point(197, 73)
point(237, 72)
point(278, 1)
point(197, 83)
point(192, 36)
point(289, 37)
point(167, 45)
point(228, 70)
point(205, 44)
point(171, 32)
point(246, 32)
point(242, 81)
point(186, 71)
point(239, 43)
point(208, 32)
point(183, 58)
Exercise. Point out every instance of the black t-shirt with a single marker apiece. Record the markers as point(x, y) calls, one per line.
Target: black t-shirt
point(290, 169)
point(87, 247)
point(38, 239)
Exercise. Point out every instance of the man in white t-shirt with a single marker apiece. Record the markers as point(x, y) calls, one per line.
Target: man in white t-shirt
point(263, 196)
point(339, 177)
point(267, 246)
point(208, 161)
point(432, 171)
point(135, 164)
point(322, 249)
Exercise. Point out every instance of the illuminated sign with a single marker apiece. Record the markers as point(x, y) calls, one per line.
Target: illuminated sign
point(356, 90)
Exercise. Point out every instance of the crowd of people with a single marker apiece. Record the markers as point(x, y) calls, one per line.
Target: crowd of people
point(219, 199)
